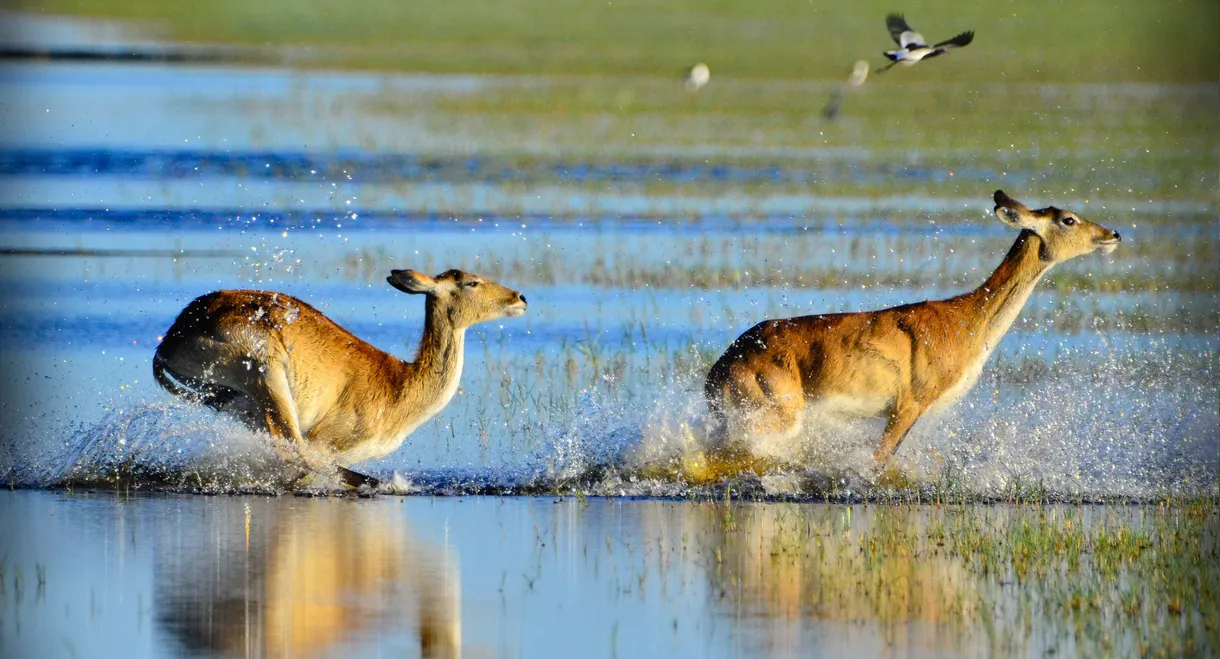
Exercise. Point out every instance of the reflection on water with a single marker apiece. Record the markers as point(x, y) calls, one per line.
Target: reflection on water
point(292, 578)
point(800, 578)
point(165, 575)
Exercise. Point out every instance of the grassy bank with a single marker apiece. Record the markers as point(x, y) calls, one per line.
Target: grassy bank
point(1143, 142)
point(1041, 100)
point(1025, 41)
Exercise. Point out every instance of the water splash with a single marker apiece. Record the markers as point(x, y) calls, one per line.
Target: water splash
point(1122, 428)
point(170, 446)
point(1095, 426)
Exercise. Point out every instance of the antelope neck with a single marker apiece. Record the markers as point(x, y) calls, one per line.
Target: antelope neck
point(998, 301)
point(441, 344)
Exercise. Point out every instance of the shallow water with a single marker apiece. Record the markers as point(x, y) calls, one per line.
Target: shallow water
point(117, 574)
point(115, 218)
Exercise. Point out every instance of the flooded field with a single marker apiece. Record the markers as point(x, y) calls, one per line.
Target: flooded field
point(158, 575)
point(648, 228)
point(639, 273)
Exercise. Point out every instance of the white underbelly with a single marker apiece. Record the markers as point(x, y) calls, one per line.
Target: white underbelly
point(374, 448)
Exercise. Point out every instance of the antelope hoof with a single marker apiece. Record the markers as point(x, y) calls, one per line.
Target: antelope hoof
point(893, 478)
point(357, 480)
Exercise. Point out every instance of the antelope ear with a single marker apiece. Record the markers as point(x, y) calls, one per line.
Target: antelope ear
point(410, 281)
point(1014, 213)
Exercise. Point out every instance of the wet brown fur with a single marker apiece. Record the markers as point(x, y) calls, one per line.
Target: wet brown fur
point(905, 359)
point(326, 396)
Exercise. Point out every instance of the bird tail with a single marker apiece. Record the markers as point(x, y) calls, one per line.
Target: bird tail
point(963, 39)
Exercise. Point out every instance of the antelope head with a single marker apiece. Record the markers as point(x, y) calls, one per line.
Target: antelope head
point(1065, 235)
point(464, 298)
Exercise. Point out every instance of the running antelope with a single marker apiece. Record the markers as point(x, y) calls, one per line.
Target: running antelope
point(912, 48)
point(327, 398)
point(897, 363)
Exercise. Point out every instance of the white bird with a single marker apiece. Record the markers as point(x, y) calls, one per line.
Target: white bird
point(912, 47)
point(697, 77)
point(859, 74)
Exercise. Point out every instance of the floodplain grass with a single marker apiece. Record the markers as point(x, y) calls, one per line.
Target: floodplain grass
point(1027, 41)
point(1092, 117)
point(1168, 274)
point(1157, 261)
point(943, 121)
point(1102, 142)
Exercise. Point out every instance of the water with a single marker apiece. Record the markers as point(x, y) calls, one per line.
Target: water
point(632, 293)
point(150, 576)
point(181, 575)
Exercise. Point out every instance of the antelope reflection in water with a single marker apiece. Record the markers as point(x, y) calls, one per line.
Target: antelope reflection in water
point(307, 578)
point(807, 580)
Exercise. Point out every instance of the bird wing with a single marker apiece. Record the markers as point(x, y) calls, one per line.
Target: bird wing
point(960, 40)
point(897, 25)
point(901, 33)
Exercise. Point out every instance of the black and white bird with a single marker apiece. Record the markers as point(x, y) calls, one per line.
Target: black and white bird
point(912, 47)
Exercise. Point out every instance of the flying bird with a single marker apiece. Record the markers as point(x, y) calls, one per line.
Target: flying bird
point(697, 77)
point(859, 74)
point(912, 47)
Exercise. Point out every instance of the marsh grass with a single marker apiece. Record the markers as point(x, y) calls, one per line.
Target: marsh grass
point(1145, 288)
point(1123, 581)
point(1141, 143)
point(1099, 134)
point(1093, 117)
point(1157, 261)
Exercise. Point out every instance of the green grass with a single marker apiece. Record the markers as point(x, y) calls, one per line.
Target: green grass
point(820, 260)
point(1072, 142)
point(1117, 581)
point(602, 84)
point(1025, 41)
point(936, 112)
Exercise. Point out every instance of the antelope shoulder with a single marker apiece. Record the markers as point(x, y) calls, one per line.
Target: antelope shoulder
point(967, 379)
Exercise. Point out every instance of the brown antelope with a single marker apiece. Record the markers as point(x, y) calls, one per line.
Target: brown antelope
point(897, 363)
point(327, 398)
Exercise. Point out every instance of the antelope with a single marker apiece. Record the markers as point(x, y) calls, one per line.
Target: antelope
point(897, 363)
point(912, 48)
point(327, 398)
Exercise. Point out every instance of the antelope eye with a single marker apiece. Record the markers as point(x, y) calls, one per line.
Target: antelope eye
point(471, 284)
point(1069, 221)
